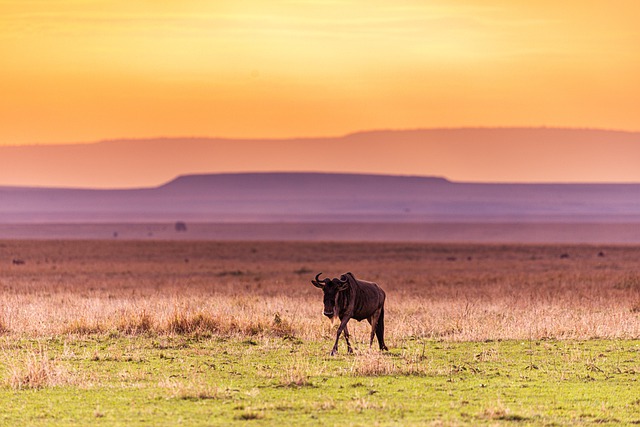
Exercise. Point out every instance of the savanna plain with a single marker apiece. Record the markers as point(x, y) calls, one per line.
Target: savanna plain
point(110, 332)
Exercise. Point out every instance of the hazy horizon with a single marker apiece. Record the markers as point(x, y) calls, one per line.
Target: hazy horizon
point(153, 137)
point(322, 206)
point(294, 173)
point(536, 155)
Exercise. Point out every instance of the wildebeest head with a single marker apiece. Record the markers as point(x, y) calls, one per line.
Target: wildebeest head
point(330, 288)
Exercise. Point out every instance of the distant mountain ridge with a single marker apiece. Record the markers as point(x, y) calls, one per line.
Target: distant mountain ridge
point(296, 181)
point(471, 155)
point(323, 197)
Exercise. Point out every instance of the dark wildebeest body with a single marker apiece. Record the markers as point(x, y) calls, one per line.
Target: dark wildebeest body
point(349, 298)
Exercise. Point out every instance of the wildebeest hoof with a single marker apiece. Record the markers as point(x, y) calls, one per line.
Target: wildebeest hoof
point(333, 353)
point(350, 350)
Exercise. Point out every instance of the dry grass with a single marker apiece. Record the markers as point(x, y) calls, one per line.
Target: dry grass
point(191, 391)
point(37, 370)
point(444, 292)
point(3, 327)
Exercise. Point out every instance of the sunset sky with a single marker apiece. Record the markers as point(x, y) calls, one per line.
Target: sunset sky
point(86, 70)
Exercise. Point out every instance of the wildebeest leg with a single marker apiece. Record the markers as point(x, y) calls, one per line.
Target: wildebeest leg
point(380, 330)
point(373, 320)
point(346, 337)
point(343, 325)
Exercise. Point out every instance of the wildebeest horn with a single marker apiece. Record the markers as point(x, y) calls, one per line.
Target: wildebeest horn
point(317, 282)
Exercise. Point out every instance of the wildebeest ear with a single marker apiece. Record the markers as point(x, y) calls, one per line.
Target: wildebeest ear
point(346, 279)
point(344, 282)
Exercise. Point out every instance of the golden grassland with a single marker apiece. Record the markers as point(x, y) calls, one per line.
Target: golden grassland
point(215, 333)
point(437, 291)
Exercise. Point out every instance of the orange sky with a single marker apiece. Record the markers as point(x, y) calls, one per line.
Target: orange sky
point(85, 70)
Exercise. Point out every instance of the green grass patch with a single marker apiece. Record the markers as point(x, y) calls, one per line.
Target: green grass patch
point(145, 380)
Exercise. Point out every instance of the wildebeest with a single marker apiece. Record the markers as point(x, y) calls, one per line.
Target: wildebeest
point(349, 298)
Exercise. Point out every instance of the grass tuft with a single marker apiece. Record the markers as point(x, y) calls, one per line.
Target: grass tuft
point(37, 371)
point(281, 327)
point(135, 323)
point(249, 415)
point(373, 364)
point(83, 327)
point(194, 324)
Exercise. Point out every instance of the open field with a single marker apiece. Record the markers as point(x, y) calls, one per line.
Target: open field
point(625, 232)
point(213, 333)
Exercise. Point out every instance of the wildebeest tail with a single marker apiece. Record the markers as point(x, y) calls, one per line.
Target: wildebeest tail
point(380, 330)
